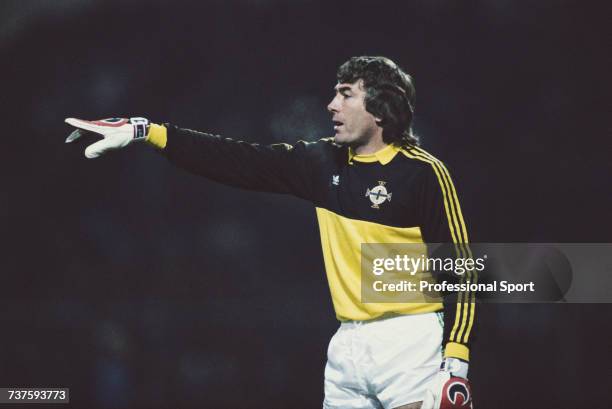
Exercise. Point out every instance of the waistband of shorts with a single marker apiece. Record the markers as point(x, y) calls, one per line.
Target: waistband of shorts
point(386, 316)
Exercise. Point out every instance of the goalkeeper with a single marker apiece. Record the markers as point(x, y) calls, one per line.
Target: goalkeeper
point(389, 355)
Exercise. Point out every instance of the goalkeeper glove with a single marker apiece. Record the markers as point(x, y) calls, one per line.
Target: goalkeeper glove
point(450, 388)
point(116, 132)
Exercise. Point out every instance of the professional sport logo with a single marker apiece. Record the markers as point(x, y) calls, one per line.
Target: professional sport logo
point(378, 194)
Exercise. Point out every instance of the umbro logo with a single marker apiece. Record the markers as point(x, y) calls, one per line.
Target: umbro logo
point(335, 180)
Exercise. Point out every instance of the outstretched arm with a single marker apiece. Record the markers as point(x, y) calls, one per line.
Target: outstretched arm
point(278, 168)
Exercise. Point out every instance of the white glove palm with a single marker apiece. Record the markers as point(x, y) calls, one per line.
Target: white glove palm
point(116, 132)
point(450, 388)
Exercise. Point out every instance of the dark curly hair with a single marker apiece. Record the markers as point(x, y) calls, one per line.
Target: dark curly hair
point(390, 95)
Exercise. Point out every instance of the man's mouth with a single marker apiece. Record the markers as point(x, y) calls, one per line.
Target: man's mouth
point(337, 125)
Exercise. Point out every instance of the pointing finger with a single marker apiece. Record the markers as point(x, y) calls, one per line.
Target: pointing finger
point(83, 124)
point(74, 135)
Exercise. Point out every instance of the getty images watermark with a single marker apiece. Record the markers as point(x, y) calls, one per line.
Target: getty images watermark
point(491, 272)
point(452, 267)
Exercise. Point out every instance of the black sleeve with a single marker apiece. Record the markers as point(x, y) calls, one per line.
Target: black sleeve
point(277, 168)
point(442, 222)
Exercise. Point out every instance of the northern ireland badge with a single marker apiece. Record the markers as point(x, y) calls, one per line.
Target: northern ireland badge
point(378, 195)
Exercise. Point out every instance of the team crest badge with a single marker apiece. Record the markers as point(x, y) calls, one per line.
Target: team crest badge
point(378, 195)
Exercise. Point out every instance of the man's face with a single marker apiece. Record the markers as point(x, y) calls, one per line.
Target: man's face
point(354, 126)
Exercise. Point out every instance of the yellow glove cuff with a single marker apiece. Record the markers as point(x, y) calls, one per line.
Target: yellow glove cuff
point(157, 136)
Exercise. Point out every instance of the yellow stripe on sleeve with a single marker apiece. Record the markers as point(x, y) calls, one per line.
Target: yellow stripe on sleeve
point(464, 314)
point(447, 205)
point(452, 189)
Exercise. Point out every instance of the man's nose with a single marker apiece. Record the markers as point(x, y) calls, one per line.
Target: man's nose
point(333, 105)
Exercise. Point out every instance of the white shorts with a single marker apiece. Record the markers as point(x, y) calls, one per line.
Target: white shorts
point(383, 363)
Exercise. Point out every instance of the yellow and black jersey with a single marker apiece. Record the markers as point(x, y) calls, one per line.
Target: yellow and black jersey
point(397, 195)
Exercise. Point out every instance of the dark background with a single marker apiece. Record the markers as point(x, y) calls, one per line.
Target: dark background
point(138, 285)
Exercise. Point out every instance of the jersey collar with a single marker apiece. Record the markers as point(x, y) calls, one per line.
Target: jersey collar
point(384, 156)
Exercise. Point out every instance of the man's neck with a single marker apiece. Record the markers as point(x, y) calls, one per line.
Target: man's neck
point(373, 146)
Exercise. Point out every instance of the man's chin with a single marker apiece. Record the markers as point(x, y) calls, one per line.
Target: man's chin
point(345, 140)
point(342, 140)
